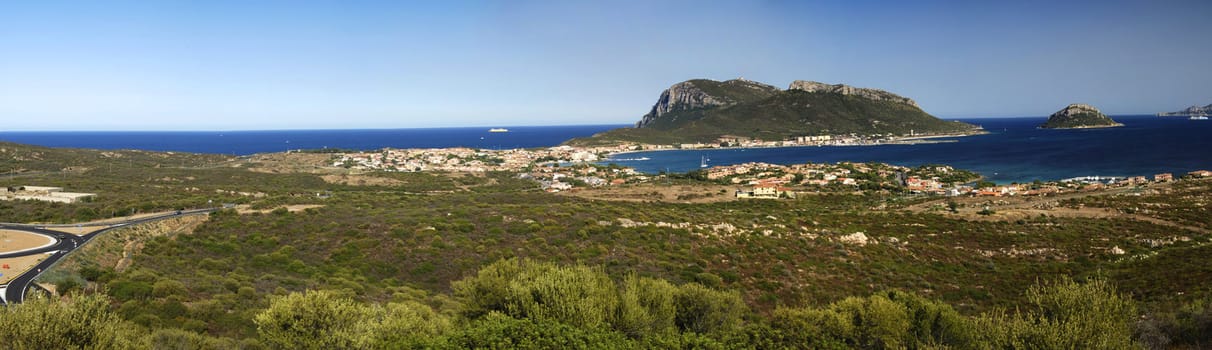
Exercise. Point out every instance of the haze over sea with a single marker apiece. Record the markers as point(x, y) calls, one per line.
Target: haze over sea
point(1014, 150)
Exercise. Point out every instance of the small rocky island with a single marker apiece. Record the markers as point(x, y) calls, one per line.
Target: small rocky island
point(1079, 116)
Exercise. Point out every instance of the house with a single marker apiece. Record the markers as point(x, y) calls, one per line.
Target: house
point(1200, 173)
point(1135, 180)
point(46, 194)
point(766, 190)
point(988, 192)
point(1163, 177)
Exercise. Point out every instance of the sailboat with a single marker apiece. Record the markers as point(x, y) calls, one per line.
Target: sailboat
point(703, 162)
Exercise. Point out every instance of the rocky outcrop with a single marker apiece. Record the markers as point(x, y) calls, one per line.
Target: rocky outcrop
point(702, 93)
point(680, 96)
point(871, 94)
point(1193, 110)
point(1077, 116)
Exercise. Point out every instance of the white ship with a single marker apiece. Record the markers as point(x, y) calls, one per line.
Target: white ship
point(498, 130)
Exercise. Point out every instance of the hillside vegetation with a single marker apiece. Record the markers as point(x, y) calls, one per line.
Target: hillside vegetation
point(486, 258)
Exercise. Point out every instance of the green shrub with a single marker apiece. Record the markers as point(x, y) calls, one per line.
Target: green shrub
point(315, 320)
point(1065, 315)
point(646, 307)
point(499, 331)
point(85, 322)
point(704, 310)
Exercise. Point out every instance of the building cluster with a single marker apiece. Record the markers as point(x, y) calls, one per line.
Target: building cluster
point(563, 168)
point(559, 168)
point(1086, 183)
point(42, 193)
point(461, 159)
point(770, 180)
point(733, 141)
point(562, 178)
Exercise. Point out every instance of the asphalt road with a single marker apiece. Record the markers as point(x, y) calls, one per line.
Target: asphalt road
point(65, 244)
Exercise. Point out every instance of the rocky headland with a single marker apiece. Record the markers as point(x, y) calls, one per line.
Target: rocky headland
point(1079, 116)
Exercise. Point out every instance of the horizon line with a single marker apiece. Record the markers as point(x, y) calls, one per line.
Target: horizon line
point(439, 127)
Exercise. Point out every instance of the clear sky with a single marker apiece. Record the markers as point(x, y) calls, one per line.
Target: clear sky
point(231, 65)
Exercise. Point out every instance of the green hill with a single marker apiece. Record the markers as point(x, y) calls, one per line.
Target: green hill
point(704, 110)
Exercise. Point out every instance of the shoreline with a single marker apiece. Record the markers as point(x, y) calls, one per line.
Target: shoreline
point(911, 140)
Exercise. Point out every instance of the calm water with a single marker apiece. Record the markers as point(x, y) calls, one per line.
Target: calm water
point(250, 142)
point(1014, 151)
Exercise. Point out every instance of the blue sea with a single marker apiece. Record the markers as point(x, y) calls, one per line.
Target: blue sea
point(1014, 150)
point(251, 142)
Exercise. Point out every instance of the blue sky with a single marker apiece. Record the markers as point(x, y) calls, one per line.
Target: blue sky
point(230, 65)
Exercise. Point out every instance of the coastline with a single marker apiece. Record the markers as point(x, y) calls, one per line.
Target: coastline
point(1116, 125)
point(911, 140)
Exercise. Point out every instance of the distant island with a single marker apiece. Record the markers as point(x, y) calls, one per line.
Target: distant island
point(708, 111)
point(1079, 116)
point(1190, 111)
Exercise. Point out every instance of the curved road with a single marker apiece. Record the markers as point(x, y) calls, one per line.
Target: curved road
point(14, 291)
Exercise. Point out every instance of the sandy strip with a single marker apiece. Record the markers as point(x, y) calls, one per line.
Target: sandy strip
point(76, 230)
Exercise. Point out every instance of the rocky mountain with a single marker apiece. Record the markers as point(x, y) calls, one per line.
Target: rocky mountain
point(702, 93)
point(1079, 116)
point(702, 110)
point(1193, 110)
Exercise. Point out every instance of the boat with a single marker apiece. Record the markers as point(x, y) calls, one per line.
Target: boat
point(498, 130)
point(1198, 116)
point(703, 162)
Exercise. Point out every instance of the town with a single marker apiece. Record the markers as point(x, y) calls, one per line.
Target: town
point(566, 168)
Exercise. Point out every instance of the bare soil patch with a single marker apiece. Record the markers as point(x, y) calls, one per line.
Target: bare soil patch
point(294, 162)
point(244, 209)
point(12, 240)
point(1022, 207)
point(76, 230)
point(360, 180)
point(18, 266)
point(658, 193)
